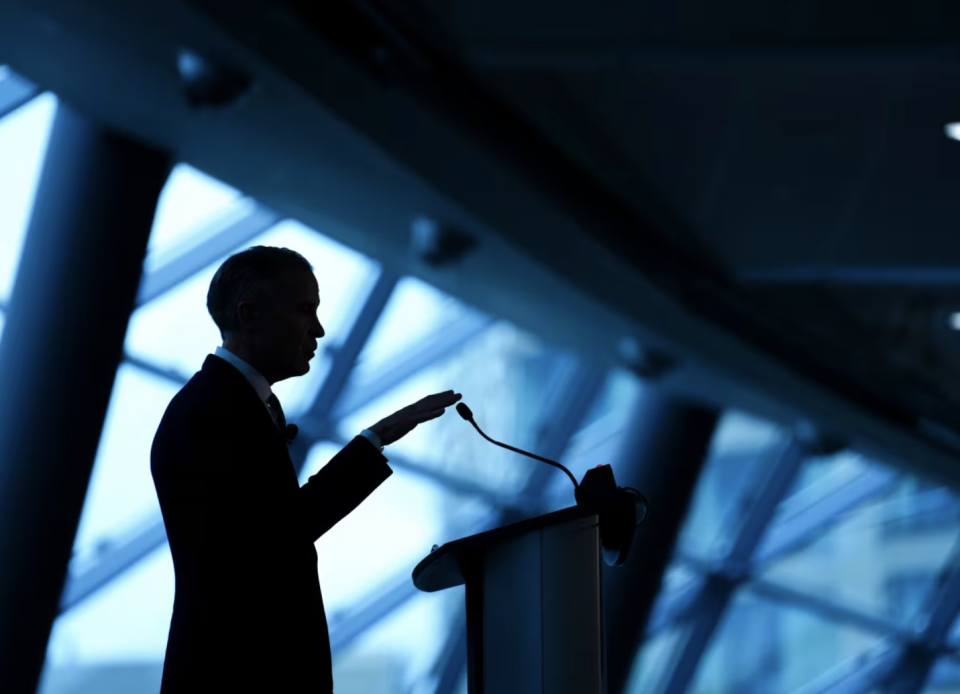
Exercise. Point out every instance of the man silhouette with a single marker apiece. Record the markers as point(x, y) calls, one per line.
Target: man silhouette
point(248, 613)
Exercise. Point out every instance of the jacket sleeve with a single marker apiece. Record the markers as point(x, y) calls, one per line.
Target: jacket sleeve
point(341, 485)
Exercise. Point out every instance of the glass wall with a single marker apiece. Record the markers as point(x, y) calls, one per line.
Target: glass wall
point(852, 570)
point(853, 567)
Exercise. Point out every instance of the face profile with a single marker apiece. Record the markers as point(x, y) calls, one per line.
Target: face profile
point(283, 326)
point(265, 302)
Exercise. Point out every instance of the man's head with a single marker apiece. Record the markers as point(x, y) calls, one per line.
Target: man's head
point(264, 301)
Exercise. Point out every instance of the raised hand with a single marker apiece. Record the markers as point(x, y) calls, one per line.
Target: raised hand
point(402, 422)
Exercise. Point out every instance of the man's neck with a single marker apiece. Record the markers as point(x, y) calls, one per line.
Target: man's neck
point(248, 355)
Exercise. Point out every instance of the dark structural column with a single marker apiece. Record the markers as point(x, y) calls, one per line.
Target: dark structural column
point(663, 452)
point(63, 340)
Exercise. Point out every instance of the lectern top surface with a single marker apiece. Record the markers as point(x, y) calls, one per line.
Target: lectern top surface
point(448, 565)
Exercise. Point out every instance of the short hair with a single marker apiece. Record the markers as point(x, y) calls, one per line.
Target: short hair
point(247, 276)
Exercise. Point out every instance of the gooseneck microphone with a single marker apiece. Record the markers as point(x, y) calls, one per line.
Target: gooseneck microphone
point(620, 510)
point(468, 415)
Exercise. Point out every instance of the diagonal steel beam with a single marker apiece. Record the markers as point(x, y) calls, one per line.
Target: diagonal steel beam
point(366, 385)
point(348, 624)
point(167, 374)
point(785, 470)
point(939, 500)
point(241, 223)
point(718, 587)
point(15, 91)
point(916, 660)
point(684, 602)
point(674, 606)
point(791, 534)
point(828, 609)
point(569, 398)
point(860, 675)
point(112, 561)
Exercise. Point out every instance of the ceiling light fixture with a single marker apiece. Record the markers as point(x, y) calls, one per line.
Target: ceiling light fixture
point(952, 130)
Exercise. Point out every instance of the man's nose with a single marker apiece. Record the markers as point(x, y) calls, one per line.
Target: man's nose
point(317, 331)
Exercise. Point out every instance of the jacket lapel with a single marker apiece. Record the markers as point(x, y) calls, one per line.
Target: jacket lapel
point(243, 399)
point(249, 409)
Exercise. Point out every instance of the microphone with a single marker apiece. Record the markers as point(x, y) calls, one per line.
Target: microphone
point(468, 415)
point(290, 432)
point(621, 510)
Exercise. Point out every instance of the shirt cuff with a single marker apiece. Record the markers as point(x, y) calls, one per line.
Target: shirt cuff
point(372, 438)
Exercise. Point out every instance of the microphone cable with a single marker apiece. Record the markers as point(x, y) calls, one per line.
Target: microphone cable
point(468, 415)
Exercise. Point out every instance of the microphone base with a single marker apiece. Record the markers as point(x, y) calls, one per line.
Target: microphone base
point(620, 512)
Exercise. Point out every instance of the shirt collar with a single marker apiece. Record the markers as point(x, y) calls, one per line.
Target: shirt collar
point(254, 377)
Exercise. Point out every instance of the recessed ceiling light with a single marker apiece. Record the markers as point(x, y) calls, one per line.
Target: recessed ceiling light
point(952, 130)
point(954, 321)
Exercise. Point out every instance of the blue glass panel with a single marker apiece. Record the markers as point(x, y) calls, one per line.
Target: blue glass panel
point(882, 557)
point(388, 534)
point(765, 647)
point(380, 543)
point(654, 661)
point(415, 310)
point(598, 441)
point(190, 201)
point(401, 649)
point(503, 375)
point(24, 134)
point(738, 461)
point(118, 635)
point(944, 677)
point(121, 492)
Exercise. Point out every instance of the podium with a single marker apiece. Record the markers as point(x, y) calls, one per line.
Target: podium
point(534, 603)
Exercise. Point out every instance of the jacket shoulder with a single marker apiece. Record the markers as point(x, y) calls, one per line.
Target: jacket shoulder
point(195, 408)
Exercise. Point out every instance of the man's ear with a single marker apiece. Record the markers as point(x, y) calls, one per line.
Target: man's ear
point(248, 314)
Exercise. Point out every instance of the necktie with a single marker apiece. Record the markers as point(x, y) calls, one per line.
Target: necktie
point(274, 404)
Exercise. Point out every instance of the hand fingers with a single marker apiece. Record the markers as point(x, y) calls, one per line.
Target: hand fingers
point(445, 395)
point(432, 402)
point(429, 407)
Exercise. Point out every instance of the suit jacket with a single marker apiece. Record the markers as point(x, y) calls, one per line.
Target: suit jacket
point(248, 613)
